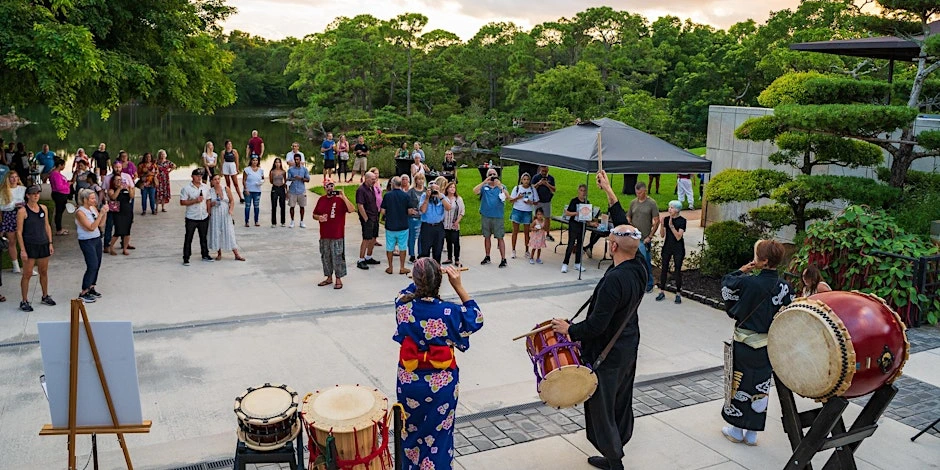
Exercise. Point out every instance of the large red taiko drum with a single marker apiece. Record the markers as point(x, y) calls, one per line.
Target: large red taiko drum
point(837, 344)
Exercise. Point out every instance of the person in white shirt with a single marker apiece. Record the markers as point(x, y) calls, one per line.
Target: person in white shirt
point(193, 197)
point(524, 198)
point(295, 150)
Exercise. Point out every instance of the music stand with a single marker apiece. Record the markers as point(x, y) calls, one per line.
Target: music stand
point(928, 428)
point(78, 315)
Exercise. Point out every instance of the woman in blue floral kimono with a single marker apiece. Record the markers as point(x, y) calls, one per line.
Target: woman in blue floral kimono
point(429, 329)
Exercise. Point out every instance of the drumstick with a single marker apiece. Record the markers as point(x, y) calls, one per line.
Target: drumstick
point(537, 330)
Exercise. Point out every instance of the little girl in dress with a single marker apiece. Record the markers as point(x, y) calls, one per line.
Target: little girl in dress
point(537, 237)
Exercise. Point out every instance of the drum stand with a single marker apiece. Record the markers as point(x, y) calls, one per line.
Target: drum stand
point(827, 429)
point(292, 453)
point(932, 426)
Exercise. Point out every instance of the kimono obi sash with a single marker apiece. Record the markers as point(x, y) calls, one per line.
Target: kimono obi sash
point(436, 357)
point(751, 338)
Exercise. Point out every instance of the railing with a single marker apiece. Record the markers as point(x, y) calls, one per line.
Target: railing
point(926, 281)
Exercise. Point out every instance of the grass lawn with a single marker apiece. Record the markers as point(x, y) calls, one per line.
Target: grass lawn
point(566, 184)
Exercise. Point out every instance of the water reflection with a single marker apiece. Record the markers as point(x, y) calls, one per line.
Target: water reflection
point(140, 129)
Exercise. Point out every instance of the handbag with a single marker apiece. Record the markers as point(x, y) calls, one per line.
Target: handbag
point(114, 206)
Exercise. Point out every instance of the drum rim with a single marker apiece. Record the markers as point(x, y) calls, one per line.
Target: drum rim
point(907, 343)
point(551, 378)
point(291, 409)
point(242, 436)
point(375, 416)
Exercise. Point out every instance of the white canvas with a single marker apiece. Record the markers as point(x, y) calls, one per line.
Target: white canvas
point(115, 342)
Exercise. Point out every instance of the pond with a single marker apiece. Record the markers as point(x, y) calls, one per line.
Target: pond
point(139, 129)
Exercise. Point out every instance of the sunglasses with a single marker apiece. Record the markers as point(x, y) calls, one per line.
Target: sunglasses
point(635, 234)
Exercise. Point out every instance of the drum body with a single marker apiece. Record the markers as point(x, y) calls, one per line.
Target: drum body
point(267, 416)
point(837, 344)
point(353, 418)
point(561, 378)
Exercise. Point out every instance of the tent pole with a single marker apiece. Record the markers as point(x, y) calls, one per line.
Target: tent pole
point(580, 253)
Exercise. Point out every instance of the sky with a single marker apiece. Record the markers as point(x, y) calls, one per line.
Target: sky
point(277, 19)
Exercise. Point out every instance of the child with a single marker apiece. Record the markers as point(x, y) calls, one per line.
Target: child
point(93, 185)
point(537, 237)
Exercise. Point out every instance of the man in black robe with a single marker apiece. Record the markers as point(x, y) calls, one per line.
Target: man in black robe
point(609, 412)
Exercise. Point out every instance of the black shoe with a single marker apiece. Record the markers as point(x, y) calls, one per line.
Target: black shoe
point(185, 262)
point(372, 261)
point(447, 262)
point(87, 298)
point(362, 265)
point(93, 292)
point(411, 259)
point(649, 289)
point(486, 260)
point(502, 263)
point(26, 307)
point(678, 299)
point(47, 300)
point(589, 252)
point(208, 260)
point(598, 462)
point(549, 238)
point(661, 296)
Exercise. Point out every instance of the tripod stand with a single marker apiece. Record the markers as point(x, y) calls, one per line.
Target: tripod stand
point(931, 426)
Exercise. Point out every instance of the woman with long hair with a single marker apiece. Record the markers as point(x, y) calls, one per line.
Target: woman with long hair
point(402, 153)
point(12, 197)
point(221, 223)
point(146, 174)
point(342, 149)
point(813, 282)
point(209, 159)
point(752, 301)
point(524, 198)
point(278, 179)
point(89, 222)
point(230, 168)
point(164, 167)
point(121, 194)
point(429, 329)
point(252, 177)
point(452, 219)
point(60, 194)
point(35, 238)
point(414, 220)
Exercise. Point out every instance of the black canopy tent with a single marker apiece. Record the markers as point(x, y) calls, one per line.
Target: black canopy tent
point(608, 144)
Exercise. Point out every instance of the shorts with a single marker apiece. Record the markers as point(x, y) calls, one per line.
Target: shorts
point(329, 164)
point(370, 229)
point(37, 250)
point(360, 164)
point(493, 226)
point(546, 209)
point(395, 238)
point(8, 222)
point(228, 169)
point(521, 217)
point(297, 200)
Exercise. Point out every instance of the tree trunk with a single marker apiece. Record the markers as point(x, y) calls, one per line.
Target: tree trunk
point(408, 93)
point(391, 90)
point(902, 160)
point(799, 216)
point(807, 167)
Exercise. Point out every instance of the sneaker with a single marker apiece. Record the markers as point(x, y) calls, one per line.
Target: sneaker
point(208, 260)
point(47, 300)
point(513, 254)
point(564, 268)
point(282, 225)
point(26, 307)
point(531, 261)
point(678, 299)
point(16, 267)
point(87, 298)
point(486, 260)
point(578, 267)
point(732, 433)
point(447, 262)
point(291, 224)
point(549, 237)
point(661, 296)
point(94, 292)
point(600, 462)
point(362, 265)
point(411, 259)
point(538, 261)
point(302, 224)
point(750, 437)
point(273, 225)
point(649, 289)
point(185, 262)
point(373, 261)
point(502, 263)
point(589, 252)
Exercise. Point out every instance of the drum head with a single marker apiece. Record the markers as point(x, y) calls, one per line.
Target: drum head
point(811, 350)
point(268, 404)
point(344, 408)
point(251, 444)
point(567, 386)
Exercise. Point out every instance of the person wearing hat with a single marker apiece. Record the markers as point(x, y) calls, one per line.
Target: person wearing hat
point(35, 238)
point(193, 197)
point(330, 211)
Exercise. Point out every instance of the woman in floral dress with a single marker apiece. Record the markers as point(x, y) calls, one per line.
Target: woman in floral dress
point(428, 330)
point(164, 167)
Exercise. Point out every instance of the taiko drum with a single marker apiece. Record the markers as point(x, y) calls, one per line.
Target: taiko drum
point(562, 379)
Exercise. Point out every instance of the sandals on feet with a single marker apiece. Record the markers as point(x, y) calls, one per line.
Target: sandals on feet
point(338, 285)
point(325, 283)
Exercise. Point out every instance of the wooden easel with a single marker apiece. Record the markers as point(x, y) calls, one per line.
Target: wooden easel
point(79, 315)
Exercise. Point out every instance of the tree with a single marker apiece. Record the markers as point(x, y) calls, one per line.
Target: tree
point(577, 89)
point(404, 30)
point(79, 56)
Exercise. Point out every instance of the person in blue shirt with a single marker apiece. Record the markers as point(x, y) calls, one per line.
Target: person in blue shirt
point(493, 196)
point(328, 150)
point(46, 158)
point(432, 205)
point(297, 176)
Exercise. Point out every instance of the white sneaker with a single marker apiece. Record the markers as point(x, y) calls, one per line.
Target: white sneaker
point(16, 267)
point(531, 261)
point(564, 268)
point(578, 267)
point(513, 254)
point(291, 224)
point(302, 224)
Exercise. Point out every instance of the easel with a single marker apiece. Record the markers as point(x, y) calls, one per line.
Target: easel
point(826, 428)
point(78, 314)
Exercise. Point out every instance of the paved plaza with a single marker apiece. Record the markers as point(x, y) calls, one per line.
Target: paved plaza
point(206, 332)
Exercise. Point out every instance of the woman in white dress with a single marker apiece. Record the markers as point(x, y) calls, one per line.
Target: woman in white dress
point(221, 223)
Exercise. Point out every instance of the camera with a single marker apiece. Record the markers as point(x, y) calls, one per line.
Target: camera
point(492, 178)
point(435, 193)
point(332, 193)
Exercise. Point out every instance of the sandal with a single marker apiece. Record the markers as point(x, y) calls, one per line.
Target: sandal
point(239, 258)
point(339, 285)
point(3, 299)
point(162, 210)
point(62, 232)
point(125, 253)
point(325, 283)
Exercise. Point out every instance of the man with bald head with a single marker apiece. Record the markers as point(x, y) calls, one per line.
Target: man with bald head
point(612, 320)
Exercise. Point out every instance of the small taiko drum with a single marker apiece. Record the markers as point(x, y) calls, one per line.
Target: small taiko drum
point(562, 380)
point(347, 425)
point(267, 416)
point(837, 343)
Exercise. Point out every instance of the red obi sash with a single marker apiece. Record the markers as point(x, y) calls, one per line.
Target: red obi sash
point(436, 357)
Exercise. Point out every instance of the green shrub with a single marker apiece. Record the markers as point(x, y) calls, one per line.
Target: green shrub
point(728, 246)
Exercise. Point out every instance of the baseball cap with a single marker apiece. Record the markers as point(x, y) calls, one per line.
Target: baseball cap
point(34, 189)
point(197, 171)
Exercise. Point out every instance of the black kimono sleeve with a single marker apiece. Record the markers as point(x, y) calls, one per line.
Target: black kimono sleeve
point(731, 285)
point(617, 214)
point(607, 302)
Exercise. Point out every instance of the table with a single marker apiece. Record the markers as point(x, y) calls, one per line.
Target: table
point(563, 221)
